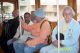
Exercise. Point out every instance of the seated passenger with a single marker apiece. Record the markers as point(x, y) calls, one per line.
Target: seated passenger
point(70, 29)
point(22, 37)
point(8, 32)
point(40, 30)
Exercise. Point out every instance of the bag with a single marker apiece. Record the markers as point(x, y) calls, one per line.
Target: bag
point(61, 36)
point(49, 37)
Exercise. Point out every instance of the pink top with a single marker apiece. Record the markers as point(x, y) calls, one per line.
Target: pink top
point(40, 33)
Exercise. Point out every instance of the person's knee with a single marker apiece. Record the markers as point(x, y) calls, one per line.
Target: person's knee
point(26, 49)
point(29, 49)
point(43, 50)
point(46, 48)
point(15, 44)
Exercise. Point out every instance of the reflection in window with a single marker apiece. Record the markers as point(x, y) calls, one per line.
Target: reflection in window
point(53, 2)
point(27, 6)
point(7, 10)
point(51, 9)
point(0, 14)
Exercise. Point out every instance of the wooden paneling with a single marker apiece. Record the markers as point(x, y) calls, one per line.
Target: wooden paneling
point(73, 4)
point(37, 4)
point(53, 24)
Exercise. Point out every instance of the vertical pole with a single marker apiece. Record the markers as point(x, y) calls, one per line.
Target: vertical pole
point(57, 1)
point(20, 29)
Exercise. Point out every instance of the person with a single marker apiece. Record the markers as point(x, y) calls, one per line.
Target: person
point(70, 29)
point(19, 44)
point(8, 32)
point(40, 30)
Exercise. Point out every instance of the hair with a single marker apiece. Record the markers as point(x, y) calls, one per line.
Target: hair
point(32, 15)
point(15, 12)
point(68, 8)
point(27, 13)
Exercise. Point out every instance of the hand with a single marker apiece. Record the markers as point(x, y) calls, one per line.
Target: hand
point(30, 44)
point(55, 43)
point(23, 24)
point(22, 20)
point(29, 38)
point(14, 39)
point(11, 41)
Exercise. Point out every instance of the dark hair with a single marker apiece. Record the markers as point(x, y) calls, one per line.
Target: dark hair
point(27, 13)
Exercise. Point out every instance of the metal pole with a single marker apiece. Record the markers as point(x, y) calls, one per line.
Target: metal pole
point(57, 1)
point(20, 29)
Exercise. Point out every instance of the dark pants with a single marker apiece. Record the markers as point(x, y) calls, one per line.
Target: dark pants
point(6, 48)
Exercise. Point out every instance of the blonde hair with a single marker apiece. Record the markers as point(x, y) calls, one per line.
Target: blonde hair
point(68, 8)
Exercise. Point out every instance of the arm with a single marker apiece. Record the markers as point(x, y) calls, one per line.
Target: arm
point(54, 32)
point(17, 33)
point(25, 26)
point(10, 41)
point(54, 40)
point(74, 37)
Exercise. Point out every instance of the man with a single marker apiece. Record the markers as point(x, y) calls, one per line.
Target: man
point(9, 30)
point(40, 30)
point(27, 18)
point(19, 44)
point(70, 29)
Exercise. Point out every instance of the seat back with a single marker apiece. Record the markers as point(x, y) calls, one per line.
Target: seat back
point(52, 24)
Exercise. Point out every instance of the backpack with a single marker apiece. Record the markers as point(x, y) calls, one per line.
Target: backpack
point(49, 37)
